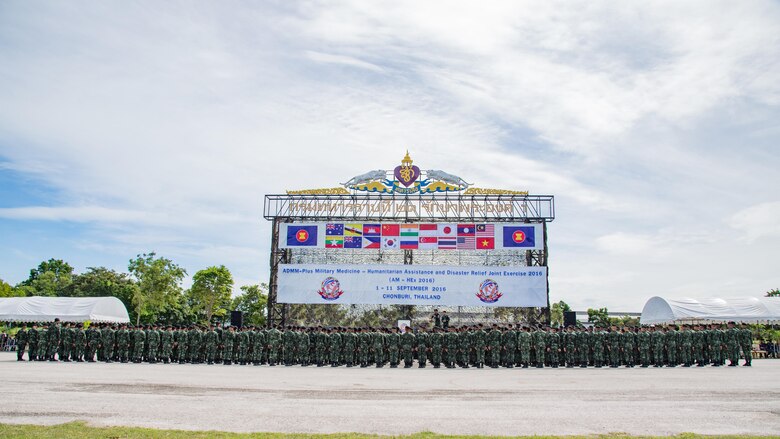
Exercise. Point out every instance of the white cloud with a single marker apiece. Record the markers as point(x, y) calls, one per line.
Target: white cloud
point(758, 221)
point(162, 130)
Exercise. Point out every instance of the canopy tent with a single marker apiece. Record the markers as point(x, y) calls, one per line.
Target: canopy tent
point(659, 310)
point(67, 309)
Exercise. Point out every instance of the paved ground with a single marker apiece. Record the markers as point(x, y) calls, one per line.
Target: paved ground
point(396, 401)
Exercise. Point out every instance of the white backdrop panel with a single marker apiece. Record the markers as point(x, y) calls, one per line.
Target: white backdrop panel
point(386, 284)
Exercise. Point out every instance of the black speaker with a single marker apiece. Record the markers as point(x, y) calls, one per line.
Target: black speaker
point(237, 318)
point(569, 318)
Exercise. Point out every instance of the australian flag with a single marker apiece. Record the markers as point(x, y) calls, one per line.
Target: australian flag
point(332, 229)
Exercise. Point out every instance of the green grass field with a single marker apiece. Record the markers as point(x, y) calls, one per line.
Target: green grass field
point(80, 430)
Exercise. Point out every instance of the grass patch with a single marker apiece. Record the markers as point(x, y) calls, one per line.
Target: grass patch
point(80, 430)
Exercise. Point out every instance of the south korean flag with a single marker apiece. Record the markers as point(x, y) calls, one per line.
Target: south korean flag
point(391, 242)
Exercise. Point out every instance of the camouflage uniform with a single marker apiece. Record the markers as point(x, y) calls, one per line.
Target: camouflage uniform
point(629, 345)
point(21, 343)
point(258, 348)
point(107, 340)
point(451, 344)
point(464, 347)
point(363, 347)
point(153, 340)
point(378, 348)
point(210, 339)
point(524, 348)
point(494, 346)
point(53, 340)
point(539, 341)
point(393, 343)
point(437, 342)
point(228, 337)
point(139, 340)
point(79, 343)
point(422, 340)
point(570, 347)
point(273, 338)
point(288, 346)
point(598, 341)
point(746, 343)
point(554, 343)
point(335, 348)
point(350, 344)
point(479, 338)
point(509, 342)
point(33, 337)
point(407, 346)
point(166, 344)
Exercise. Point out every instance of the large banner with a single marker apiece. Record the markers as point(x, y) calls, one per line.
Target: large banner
point(413, 285)
point(412, 236)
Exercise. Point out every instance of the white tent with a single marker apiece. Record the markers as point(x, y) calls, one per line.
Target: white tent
point(659, 310)
point(67, 309)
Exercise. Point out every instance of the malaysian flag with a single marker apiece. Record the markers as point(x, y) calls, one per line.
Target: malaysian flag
point(486, 230)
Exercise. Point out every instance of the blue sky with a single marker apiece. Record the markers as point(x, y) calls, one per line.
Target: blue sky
point(128, 127)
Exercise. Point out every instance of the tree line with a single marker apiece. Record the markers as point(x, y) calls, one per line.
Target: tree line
point(151, 290)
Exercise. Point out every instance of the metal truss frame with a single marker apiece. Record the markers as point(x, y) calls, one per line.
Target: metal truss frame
point(407, 208)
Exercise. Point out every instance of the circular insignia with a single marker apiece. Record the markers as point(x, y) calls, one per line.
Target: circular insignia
point(390, 242)
point(488, 291)
point(330, 289)
point(302, 235)
point(518, 236)
point(447, 230)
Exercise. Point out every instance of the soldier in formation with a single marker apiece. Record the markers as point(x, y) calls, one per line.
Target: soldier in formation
point(466, 346)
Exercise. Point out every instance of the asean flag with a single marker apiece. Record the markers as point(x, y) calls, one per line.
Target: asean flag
point(519, 236)
point(301, 236)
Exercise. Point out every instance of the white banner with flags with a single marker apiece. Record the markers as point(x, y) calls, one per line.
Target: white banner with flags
point(412, 236)
point(387, 284)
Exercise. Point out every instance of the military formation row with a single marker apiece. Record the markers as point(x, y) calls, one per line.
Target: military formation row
point(464, 347)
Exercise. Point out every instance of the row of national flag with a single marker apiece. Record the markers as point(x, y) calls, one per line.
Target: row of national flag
point(412, 236)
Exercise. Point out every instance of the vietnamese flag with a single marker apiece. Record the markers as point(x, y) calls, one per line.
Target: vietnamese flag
point(391, 230)
point(486, 243)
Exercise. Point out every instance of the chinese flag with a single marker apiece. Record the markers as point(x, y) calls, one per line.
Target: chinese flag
point(391, 230)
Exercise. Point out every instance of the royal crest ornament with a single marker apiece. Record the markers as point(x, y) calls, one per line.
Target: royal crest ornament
point(407, 173)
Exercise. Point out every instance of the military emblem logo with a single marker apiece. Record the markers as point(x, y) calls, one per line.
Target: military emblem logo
point(330, 289)
point(488, 291)
point(518, 236)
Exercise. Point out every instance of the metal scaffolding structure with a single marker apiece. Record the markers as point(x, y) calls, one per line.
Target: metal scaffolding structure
point(406, 208)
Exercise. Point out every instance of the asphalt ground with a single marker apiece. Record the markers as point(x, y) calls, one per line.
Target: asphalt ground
point(395, 401)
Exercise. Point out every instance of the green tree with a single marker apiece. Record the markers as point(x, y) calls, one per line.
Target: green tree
point(7, 290)
point(159, 287)
point(104, 282)
point(317, 314)
point(252, 302)
point(50, 278)
point(556, 312)
point(210, 292)
point(773, 293)
point(599, 316)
